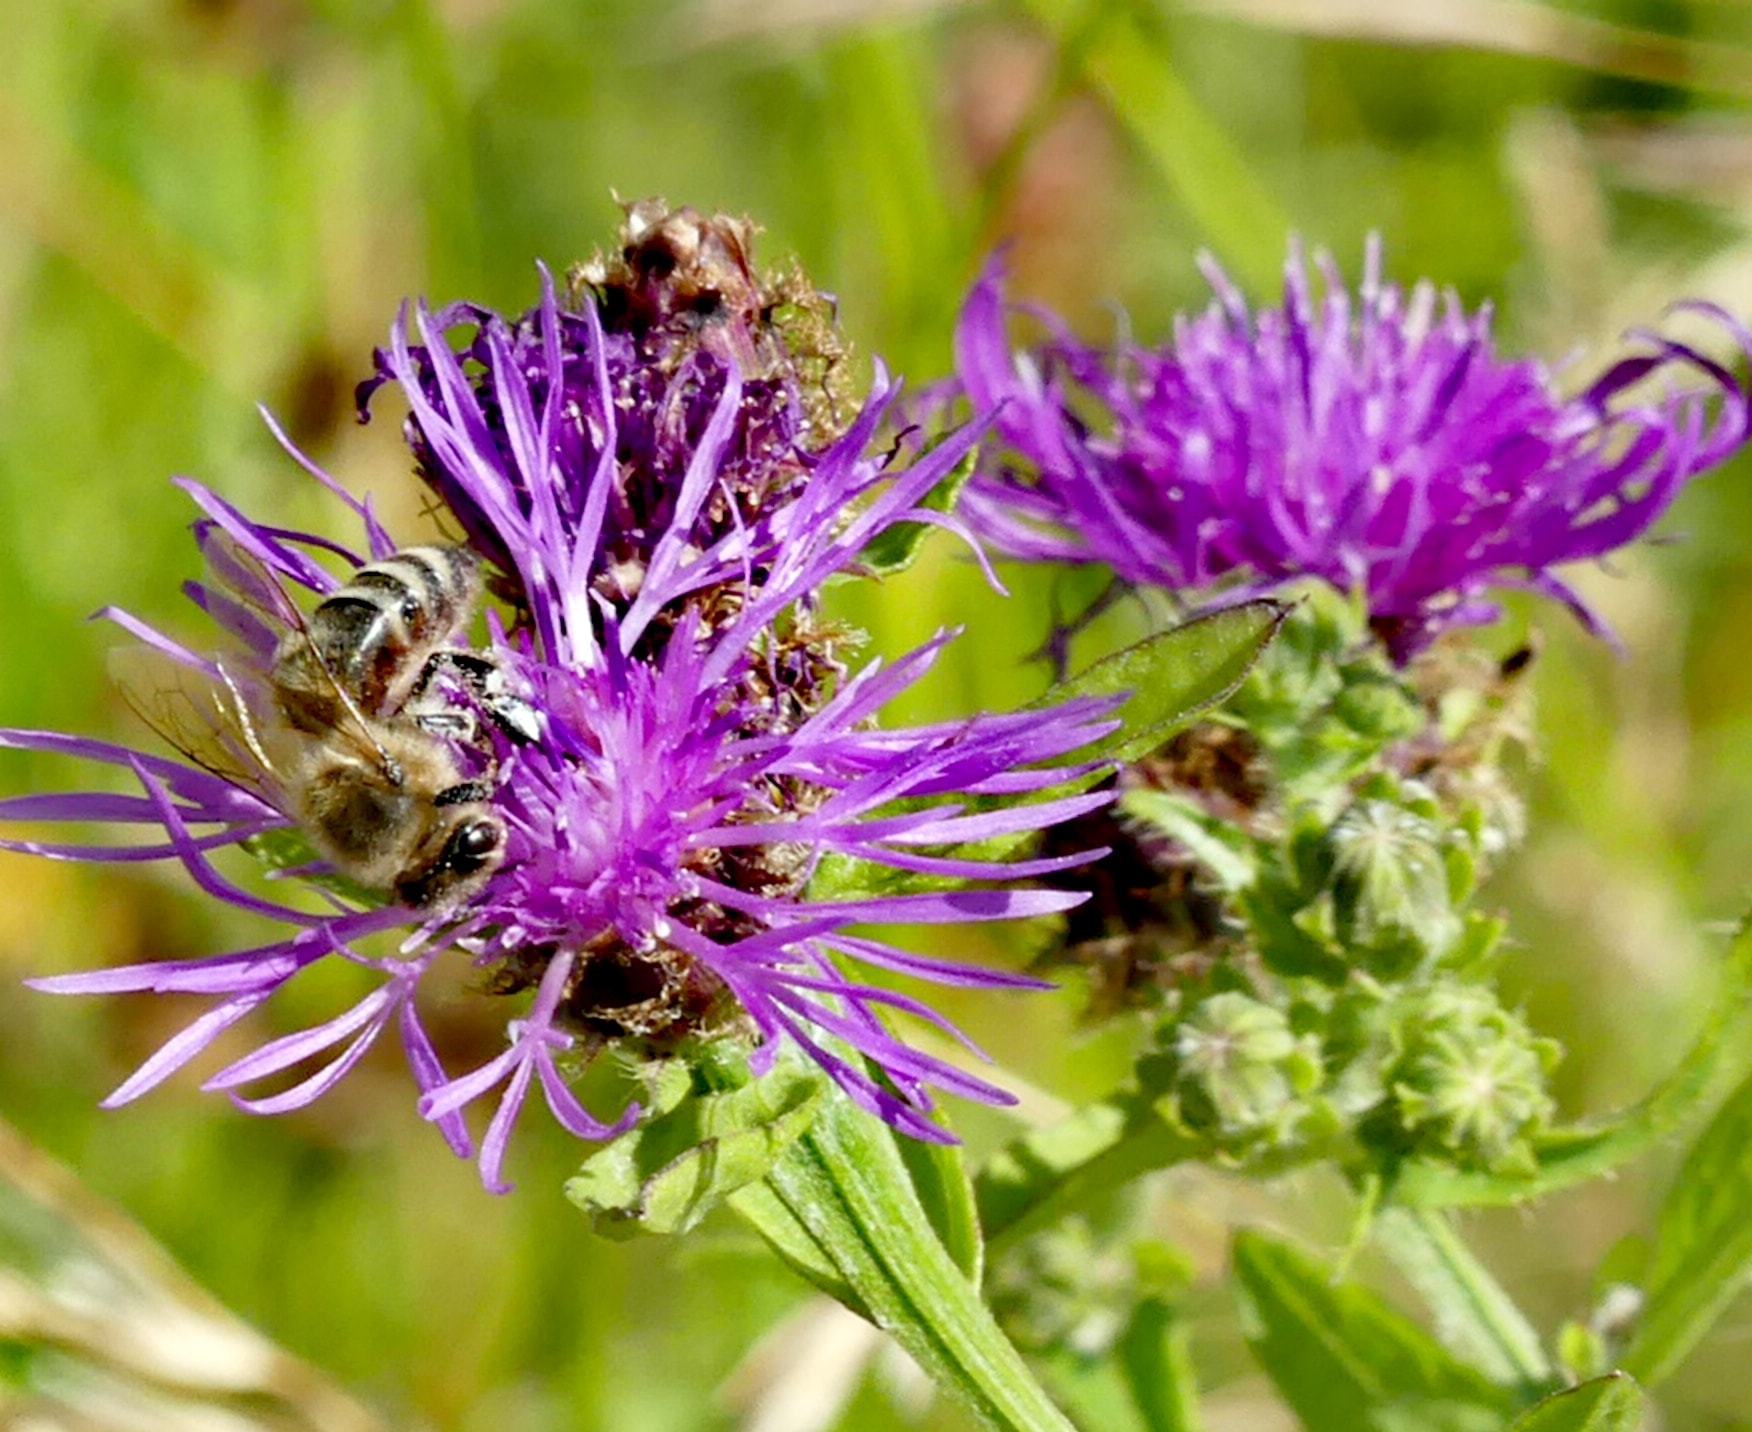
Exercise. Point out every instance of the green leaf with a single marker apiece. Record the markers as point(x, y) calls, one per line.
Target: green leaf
point(1092, 1389)
point(1155, 1357)
point(1175, 674)
point(288, 848)
point(797, 1247)
point(1703, 1243)
point(940, 1179)
point(665, 1174)
point(844, 1185)
point(1078, 1162)
point(1607, 1404)
point(1346, 1361)
point(1577, 1154)
point(1227, 853)
point(897, 547)
point(1474, 1314)
point(1171, 676)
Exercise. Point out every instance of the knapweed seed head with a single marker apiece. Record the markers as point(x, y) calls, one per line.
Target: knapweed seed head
point(1376, 441)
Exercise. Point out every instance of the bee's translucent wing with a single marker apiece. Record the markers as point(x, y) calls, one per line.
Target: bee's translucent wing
point(246, 597)
point(250, 600)
point(216, 723)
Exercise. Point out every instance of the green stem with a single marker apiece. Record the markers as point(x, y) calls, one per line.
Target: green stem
point(1076, 1163)
point(844, 1187)
point(1474, 1314)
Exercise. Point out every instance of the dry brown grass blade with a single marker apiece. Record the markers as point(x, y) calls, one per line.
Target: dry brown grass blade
point(132, 1339)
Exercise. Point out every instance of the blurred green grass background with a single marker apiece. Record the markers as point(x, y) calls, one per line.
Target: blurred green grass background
point(214, 203)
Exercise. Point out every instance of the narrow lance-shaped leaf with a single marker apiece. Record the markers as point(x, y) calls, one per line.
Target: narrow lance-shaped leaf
point(1607, 1404)
point(940, 1179)
point(842, 1195)
point(1703, 1243)
point(1170, 678)
point(1474, 1314)
point(1047, 1173)
point(1155, 1357)
point(1345, 1360)
point(1175, 674)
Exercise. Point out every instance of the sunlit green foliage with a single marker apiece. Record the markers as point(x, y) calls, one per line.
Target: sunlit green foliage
point(205, 204)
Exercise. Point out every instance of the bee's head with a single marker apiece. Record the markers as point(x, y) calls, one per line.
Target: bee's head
point(473, 845)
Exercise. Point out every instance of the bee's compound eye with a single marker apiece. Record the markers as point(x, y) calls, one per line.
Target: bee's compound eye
point(473, 845)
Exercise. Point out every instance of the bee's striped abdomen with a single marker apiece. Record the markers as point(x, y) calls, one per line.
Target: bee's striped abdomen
point(376, 633)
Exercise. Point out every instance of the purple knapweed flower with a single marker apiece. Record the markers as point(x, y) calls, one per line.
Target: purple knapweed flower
point(672, 320)
point(1380, 444)
point(700, 753)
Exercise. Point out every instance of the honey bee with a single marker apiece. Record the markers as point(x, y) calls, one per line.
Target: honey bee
point(349, 725)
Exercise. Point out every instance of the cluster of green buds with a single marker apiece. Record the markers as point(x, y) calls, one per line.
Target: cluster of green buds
point(1294, 900)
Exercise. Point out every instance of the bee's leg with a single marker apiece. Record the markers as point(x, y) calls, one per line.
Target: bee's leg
point(450, 722)
point(485, 680)
point(469, 668)
point(462, 793)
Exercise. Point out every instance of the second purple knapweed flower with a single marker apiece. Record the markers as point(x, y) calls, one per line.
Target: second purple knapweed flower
point(1379, 443)
point(629, 784)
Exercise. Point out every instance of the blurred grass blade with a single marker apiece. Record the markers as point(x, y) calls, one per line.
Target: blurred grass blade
point(447, 148)
point(1125, 56)
point(1607, 1404)
point(55, 193)
point(1703, 1243)
point(1155, 1356)
point(1341, 1356)
point(885, 117)
point(1514, 27)
point(1175, 674)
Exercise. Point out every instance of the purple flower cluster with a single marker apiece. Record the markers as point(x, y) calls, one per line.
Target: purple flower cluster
point(702, 751)
point(1378, 443)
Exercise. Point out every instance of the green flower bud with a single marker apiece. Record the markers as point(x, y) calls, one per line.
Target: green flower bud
point(1240, 1069)
point(1377, 705)
point(1390, 887)
point(1470, 1082)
